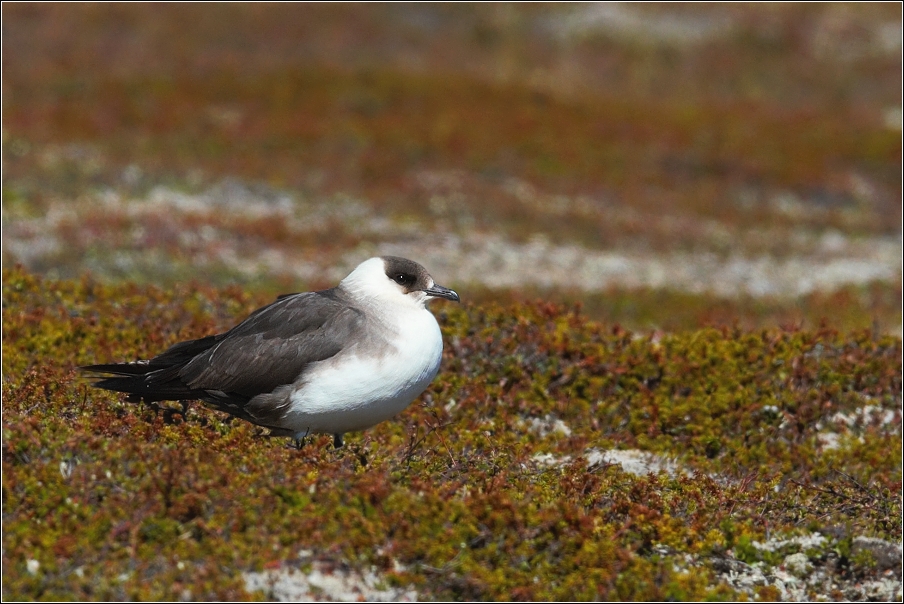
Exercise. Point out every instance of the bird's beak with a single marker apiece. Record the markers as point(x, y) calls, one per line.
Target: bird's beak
point(438, 291)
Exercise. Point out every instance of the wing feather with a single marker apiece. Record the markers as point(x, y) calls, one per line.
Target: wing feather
point(274, 345)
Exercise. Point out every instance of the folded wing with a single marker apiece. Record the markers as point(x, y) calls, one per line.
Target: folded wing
point(269, 349)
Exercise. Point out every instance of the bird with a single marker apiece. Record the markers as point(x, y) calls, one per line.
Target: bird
point(333, 361)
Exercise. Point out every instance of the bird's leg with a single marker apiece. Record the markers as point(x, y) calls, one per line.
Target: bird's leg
point(299, 439)
point(337, 441)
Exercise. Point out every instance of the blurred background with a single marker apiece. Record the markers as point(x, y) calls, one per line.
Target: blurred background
point(666, 166)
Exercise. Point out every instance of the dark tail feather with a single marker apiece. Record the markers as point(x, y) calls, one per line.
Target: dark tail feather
point(154, 380)
point(136, 368)
point(142, 380)
point(158, 379)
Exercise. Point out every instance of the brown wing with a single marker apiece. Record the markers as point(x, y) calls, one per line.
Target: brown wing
point(274, 345)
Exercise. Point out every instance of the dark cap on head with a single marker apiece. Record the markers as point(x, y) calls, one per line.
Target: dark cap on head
point(413, 277)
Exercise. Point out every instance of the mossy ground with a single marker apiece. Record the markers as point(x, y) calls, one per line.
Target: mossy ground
point(161, 162)
point(110, 500)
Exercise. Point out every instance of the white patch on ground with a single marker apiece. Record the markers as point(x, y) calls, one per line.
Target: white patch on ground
point(495, 262)
point(624, 21)
point(825, 263)
point(548, 459)
point(324, 582)
point(845, 426)
point(829, 440)
point(817, 584)
point(230, 195)
point(233, 197)
point(894, 118)
point(870, 414)
point(810, 570)
point(809, 541)
point(797, 564)
point(828, 34)
point(30, 246)
point(548, 424)
point(632, 461)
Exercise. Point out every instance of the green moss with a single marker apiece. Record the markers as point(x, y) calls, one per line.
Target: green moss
point(110, 498)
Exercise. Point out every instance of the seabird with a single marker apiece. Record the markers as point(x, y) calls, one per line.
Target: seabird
point(333, 361)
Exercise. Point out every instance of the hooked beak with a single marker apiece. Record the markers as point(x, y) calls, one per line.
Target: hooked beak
point(438, 291)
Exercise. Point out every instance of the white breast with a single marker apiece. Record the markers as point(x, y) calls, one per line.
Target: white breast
point(357, 389)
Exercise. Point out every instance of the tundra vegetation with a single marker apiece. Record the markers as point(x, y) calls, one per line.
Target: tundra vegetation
point(676, 231)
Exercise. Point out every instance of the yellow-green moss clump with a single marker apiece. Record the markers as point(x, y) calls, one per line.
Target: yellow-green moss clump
point(498, 485)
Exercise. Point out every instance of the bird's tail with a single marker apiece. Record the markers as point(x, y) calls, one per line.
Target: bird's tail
point(141, 380)
point(155, 380)
point(159, 379)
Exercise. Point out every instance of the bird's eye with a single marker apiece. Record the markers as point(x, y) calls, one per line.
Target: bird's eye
point(403, 279)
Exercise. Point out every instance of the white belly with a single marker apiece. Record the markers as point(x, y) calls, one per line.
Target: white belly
point(355, 390)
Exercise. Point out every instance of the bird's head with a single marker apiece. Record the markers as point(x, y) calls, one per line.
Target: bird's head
point(395, 279)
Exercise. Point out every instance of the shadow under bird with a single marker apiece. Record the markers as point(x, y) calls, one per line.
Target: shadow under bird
point(333, 361)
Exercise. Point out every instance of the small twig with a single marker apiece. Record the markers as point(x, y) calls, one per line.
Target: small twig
point(435, 428)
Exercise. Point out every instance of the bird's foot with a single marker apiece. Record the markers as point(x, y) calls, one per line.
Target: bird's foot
point(300, 439)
